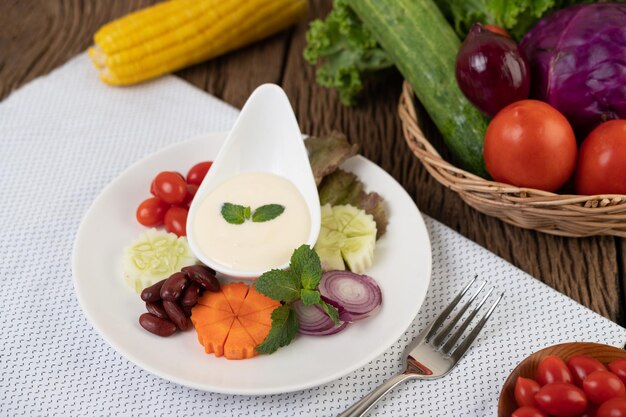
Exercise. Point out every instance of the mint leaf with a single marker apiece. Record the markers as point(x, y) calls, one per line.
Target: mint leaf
point(331, 311)
point(267, 212)
point(283, 331)
point(234, 213)
point(247, 212)
point(279, 285)
point(310, 297)
point(305, 264)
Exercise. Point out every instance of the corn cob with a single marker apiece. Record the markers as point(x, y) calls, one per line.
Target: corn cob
point(178, 33)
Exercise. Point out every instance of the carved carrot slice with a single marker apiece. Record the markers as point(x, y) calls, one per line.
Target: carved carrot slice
point(203, 316)
point(261, 316)
point(239, 344)
point(216, 300)
point(235, 293)
point(256, 301)
point(233, 321)
point(258, 332)
point(213, 336)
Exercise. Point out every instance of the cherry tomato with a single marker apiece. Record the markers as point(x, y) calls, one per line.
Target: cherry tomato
point(197, 172)
point(602, 163)
point(601, 386)
point(613, 408)
point(618, 367)
point(581, 366)
point(170, 187)
point(497, 29)
point(192, 189)
point(525, 390)
point(176, 220)
point(530, 144)
point(153, 188)
point(151, 212)
point(591, 411)
point(552, 369)
point(561, 400)
point(527, 411)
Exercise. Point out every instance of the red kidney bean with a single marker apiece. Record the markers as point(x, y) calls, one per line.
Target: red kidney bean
point(152, 294)
point(174, 286)
point(187, 311)
point(157, 309)
point(156, 325)
point(203, 276)
point(176, 314)
point(191, 295)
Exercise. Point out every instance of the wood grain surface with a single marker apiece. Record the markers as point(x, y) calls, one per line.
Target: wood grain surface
point(38, 36)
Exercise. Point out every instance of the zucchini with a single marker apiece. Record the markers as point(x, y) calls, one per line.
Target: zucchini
point(423, 46)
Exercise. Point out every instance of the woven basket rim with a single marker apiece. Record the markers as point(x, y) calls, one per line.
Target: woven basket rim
point(575, 198)
point(560, 214)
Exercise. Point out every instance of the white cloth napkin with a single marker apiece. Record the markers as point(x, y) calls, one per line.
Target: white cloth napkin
point(65, 136)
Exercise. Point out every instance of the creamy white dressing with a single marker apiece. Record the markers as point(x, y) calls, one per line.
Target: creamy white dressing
point(252, 246)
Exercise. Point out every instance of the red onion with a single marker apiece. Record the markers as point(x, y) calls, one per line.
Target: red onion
point(491, 70)
point(314, 321)
point(343, 314)
point(358, 294)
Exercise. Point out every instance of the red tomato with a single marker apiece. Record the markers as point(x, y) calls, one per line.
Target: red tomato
point(562, 400)
point(530, 144)
point(527, 411)
point(153, 188)
point(591, 411)
point(497, 29)
point(170, 187)
point(602, 163)
point(601, 386)
point(153, 184)
point(618, 367)
point(192, 189)
point(581, 366)
point(197, 172)
point(151, 212)
point(552, 369)
point(176, 220)
point(613, 408)
point(525, 390)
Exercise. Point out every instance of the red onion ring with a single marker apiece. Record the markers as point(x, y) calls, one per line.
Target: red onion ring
point(314, 321)
point(358, 294)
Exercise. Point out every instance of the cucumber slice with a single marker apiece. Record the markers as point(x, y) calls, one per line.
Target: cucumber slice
point(153, 256)
point(358, 252)
point(347, 234)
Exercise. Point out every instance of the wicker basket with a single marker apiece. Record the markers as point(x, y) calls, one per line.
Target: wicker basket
point(564, 215)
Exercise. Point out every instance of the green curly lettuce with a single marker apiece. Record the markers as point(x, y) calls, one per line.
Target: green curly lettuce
point(344, 51)
point(516, 16)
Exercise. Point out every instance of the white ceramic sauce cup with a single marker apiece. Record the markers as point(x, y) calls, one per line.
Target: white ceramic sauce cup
point(265, 138)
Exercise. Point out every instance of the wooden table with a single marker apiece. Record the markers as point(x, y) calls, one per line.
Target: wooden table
point(37, 36)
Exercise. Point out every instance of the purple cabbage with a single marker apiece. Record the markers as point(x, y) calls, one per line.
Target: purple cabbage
point(577, 59)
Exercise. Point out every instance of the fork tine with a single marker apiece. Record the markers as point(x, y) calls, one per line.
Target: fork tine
point(469, 339)
point(457, 335)
point(446, 312)
point(441, 337)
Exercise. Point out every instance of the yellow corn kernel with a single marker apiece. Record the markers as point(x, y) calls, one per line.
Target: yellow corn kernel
point(217, 26)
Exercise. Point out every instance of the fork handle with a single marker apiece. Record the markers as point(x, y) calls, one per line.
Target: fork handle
point(366, 403)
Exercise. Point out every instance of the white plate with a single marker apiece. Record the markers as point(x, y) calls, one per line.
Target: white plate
point(402, 267)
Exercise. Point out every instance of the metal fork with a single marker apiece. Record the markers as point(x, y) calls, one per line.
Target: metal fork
point(430, 355)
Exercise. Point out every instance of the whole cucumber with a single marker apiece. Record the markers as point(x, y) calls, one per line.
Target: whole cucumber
point(423, 46)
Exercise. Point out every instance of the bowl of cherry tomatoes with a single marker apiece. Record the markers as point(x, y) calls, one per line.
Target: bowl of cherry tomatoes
point(567, 380)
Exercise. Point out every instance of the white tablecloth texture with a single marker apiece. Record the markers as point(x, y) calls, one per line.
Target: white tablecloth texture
point(65, 136)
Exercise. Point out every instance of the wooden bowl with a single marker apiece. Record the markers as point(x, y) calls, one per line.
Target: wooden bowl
point(527, 367)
